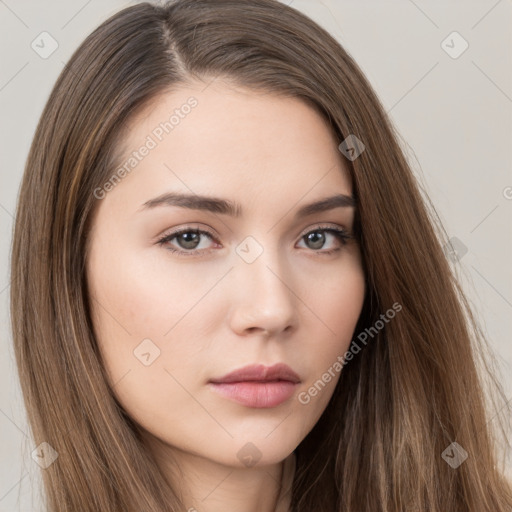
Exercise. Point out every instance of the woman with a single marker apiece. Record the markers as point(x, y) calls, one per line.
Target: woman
point(239, 300)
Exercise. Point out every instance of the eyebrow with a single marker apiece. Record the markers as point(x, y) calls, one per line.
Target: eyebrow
point(226, 207)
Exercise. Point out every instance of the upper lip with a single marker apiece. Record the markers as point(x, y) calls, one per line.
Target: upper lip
point(261, 373)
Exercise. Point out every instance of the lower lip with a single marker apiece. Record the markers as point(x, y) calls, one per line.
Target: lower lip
point(256, 394)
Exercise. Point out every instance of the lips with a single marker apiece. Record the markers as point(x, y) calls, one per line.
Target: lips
point(260, 373)
point(258, 386)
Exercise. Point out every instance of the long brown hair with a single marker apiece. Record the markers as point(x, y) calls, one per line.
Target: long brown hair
point(419, 385)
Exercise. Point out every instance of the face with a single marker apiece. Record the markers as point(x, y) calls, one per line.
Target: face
point(182, 295)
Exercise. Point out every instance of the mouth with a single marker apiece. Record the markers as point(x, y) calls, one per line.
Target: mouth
point(258, 386)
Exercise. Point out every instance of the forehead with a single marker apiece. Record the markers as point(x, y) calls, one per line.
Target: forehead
point(221, 138)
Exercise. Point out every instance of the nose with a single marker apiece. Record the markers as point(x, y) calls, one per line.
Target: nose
point(264, 299)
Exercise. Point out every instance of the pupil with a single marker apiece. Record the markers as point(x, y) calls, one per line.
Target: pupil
point(189, 239)
point(318, 243)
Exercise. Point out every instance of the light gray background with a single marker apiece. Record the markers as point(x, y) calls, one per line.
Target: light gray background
point(454, 114)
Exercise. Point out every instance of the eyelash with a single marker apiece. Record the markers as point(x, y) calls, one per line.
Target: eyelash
point(341, 234)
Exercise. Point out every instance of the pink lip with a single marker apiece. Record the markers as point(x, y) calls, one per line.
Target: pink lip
point(258, 386)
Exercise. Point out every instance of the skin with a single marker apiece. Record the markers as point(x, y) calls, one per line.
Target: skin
point(214, 313)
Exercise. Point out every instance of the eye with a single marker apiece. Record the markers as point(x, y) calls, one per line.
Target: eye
point(317, 238)
point(188, 240)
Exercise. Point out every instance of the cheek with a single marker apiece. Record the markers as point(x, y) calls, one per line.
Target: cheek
point(149, 324)
point(140, 297)
point(341, 305)
point(153, 322)
point(336, 306)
